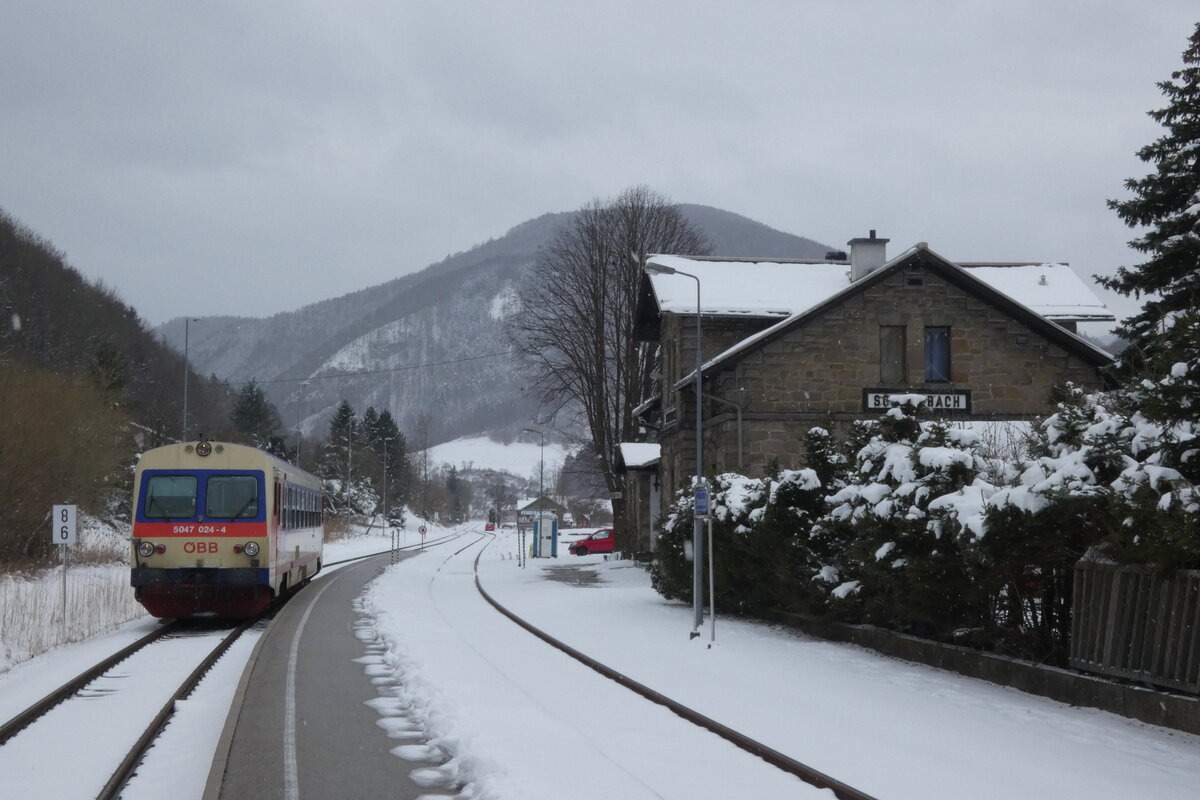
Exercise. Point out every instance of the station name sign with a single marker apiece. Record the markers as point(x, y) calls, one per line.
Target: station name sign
point(952, 401)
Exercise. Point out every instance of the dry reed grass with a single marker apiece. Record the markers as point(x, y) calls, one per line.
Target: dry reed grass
point(99, 598)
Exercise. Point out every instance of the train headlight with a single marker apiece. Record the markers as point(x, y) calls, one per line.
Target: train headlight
point(251, 549)
point(146, 549)
point(203, 448)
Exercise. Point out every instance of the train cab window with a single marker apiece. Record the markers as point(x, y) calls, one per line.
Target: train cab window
point(232, 497)
point(170, 497)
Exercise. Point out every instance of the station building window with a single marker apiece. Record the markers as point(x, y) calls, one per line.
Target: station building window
point(937, 354)
point(892, 367)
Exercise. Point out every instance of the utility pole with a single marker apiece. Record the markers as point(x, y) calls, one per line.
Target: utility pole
point(349, 460)
point(299, 415)
point(385, 478)
point(187, 322)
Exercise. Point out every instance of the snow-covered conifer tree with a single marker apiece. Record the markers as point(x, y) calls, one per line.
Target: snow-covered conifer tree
point(1166, 204)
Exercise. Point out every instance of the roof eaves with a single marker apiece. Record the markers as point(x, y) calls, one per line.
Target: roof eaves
point(647, 404)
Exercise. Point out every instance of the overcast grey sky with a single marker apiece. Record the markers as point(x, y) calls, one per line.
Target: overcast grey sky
point(252, 157)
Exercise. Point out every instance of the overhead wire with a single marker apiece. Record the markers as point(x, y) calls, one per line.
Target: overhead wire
point(362, 373)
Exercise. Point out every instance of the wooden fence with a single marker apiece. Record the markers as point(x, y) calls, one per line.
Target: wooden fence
point(1136, 623)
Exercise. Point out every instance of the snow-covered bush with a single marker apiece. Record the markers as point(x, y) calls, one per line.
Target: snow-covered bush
point(895, 557)
point(1118, 472)
point(760, 532)
point(917, 526)
point(360, 499)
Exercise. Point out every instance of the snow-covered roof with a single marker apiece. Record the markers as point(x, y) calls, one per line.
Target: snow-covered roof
point(750, 288)
point(732, 287)
point(640, 454)
point(1053, 290)
point(1092, 351)
point(531, 503)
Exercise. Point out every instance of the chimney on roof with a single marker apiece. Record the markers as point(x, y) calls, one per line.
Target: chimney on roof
point(866, 255)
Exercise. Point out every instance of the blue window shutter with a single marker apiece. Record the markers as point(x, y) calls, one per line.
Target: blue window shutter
point(937, 355)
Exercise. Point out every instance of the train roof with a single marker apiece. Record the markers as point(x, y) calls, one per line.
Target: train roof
point(223, 455)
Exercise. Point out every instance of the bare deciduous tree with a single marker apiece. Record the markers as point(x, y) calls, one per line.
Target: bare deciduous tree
point(575, 332)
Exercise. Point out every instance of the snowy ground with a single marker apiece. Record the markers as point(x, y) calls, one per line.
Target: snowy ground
point(178, 765)
point(893, 729)
point(525, 722)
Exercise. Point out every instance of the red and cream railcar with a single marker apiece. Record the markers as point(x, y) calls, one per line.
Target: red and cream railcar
point(221, 529)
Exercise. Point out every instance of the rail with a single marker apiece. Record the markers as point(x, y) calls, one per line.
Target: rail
point(773, 757)
point(136, 753)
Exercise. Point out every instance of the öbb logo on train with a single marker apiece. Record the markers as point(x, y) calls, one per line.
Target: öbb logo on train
point(200, 547)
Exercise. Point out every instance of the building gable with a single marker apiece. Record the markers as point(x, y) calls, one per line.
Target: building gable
point(906, 273)
point(835, 362)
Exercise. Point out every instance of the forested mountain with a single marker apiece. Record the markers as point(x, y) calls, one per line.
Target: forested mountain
point(429, 343)
point(52, 319)
point(84, 386)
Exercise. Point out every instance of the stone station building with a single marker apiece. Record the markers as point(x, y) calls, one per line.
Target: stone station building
point(788, 345)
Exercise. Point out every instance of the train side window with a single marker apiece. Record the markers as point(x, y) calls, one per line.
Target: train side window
point(170, 497)
point(231, 497)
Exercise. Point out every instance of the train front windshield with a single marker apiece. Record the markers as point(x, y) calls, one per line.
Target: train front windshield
point(170, 497)
point(222, 496)
point(232, 497)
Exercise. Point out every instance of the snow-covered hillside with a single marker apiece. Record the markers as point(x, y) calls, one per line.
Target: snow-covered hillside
point(480, 452)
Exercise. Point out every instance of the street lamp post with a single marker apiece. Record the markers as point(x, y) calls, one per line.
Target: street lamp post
point(541, 491)
point(697, 525)
point(541, 468)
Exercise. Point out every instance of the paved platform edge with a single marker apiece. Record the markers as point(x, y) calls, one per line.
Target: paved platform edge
point(216, 772)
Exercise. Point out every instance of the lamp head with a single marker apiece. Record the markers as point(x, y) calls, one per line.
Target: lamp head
point(658, 269)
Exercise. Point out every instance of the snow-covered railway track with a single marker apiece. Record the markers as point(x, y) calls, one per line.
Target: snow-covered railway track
point(404, 548)
point(28, 716)
point(777, 759)
point(95, 730)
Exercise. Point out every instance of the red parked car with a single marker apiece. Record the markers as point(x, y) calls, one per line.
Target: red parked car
point(599, 542)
